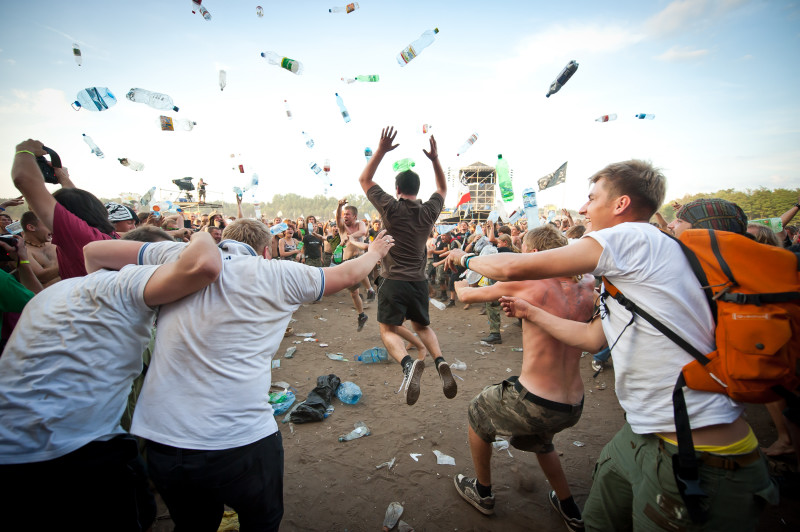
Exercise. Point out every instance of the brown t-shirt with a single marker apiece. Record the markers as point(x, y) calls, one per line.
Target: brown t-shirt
point(410, 223)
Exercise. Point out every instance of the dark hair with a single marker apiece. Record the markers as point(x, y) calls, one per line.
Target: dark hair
point(148, 233)
point(28, 217)
point(407, 182)
point(85, 206)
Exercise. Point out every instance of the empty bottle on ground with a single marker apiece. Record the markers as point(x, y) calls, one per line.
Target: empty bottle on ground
point(349, 8)
point(469, 142)
point(563, 78)
point(360, 430)
point(348, 392)
point(504, 179)
point(375, 355)
point(342, 108)
point(292, 65)
point(415, 48)
point(531, 207)
point(155, 100)
point(88, 140)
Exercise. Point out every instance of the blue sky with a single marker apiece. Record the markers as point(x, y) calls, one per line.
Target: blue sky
point(720, 76)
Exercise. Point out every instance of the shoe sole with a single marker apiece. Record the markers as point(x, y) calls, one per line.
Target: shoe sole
point(449, 386)
point(557, 507)
point(413, 388)
point(474, 504)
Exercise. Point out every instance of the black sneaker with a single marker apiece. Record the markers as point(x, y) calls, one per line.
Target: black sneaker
point(449, 386)
point(451, 303)
point(371, 295)
point(362, 320)
point(469, 492)
point(410, 386)
point(493, 338)
point(575, 525)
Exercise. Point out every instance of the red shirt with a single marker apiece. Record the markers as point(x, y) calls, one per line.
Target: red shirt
point(70, 234)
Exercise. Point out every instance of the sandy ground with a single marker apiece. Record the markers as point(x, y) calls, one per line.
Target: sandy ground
point(336, 486)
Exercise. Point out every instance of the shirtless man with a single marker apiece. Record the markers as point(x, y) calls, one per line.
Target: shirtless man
point(40, 248)
point(547, 397)
point(353, 238)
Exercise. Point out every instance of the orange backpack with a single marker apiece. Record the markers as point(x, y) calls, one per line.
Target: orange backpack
point(754, 294)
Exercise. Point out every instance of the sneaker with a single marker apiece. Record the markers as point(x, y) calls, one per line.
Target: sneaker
point(493, 338)
point(469, 492)
point(371, 295)
point(451, 303)
point(572, 524)
point(410, 385)
point(449, 386)
point(362, 320)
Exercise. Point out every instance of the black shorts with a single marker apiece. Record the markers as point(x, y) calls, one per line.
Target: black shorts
point(402, 300)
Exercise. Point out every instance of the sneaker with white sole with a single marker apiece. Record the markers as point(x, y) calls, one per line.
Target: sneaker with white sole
point(468, 490)
point(572, 524)
point(449, 386)
point(410, 386)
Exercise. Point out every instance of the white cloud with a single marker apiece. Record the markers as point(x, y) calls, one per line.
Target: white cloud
point(681, 53)
point(746, 57)
point(11, 62)
point(45, 102)
point(682, 14)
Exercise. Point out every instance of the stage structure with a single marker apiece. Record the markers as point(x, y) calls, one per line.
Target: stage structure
point(184, 197)
point(479, 179)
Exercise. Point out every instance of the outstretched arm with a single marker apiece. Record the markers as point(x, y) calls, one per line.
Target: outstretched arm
point(584, 336)
point(483, 294)
point(353, 271)
point(384, 146)
point(433, 155)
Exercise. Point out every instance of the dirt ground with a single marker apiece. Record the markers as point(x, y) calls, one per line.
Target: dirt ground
point(333, 486)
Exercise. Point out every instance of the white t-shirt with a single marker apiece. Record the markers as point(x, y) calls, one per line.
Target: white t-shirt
point(652, 271)
point(208, 382)
point(67, 370)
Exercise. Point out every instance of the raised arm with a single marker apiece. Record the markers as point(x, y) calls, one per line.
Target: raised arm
point(384, 146)
point(433, 155)
point(339, 207)
point(239, 213)
point(352, 271)
point(788, 215)
point(29, 181)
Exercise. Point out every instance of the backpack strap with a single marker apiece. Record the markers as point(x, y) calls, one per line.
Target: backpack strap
point(758, 299)
point(694, 263)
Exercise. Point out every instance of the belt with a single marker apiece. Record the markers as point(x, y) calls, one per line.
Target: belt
point(541, 401)
point(730, 462)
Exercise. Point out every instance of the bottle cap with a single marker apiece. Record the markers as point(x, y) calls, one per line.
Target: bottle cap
point(435, 30)
point(175, 109)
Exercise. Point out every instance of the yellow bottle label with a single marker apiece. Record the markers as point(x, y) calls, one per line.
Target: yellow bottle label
point(166, 124)
point(350, 8)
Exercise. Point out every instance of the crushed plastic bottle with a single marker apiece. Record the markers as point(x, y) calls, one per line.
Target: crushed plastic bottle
point(393, 513)
point(458, 365)
point(155, 100)
point(197, 6)
point(88, 140)
point(94, 99)
point(645, 116)
point(368, 153)
point(563, 78)
point(438, 304)
point(403, 164)
point(223, 80)
point(279, 228)
point(168, 123)
point(504, 179)
point(375, 355)
point(360, 430)
point(606, 118)
point(469, 142)
point(443, 459)
point(282, 402)
point(133, 165)
point(259, 11)
point(333, 356)
point(308, 140)
point(292, 65)
point(349, 8)
point(342, 108)
point(290, 352)
point(531, 207)
point(372, 78)
point(415, 48)
point(288, 111)
point(348, 392)
point(76, 53)
point(315, 168)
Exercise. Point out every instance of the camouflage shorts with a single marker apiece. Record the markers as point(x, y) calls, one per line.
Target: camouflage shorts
point(508, 409)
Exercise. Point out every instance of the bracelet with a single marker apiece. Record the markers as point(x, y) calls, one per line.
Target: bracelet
point(464, 259)
point(25, 151)
point(2, 208)
point(796, 205)
point(24, 262)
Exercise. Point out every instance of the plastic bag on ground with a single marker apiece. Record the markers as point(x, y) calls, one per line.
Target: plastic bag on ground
point(313, 409)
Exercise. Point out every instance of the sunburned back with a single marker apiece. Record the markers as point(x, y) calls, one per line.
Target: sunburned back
point(551, 369)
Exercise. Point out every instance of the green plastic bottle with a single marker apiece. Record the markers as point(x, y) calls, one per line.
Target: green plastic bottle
point(372, 78)
point(504, 179)
point(403, 164)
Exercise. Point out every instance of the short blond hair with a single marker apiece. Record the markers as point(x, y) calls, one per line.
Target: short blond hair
point(252, 232)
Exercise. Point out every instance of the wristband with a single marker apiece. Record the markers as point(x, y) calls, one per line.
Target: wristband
point(24, 262)
point(2, 208)
point(796, 205)
point(25, 151)
point(465, 260)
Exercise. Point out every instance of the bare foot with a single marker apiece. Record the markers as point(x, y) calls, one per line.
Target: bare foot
point(778, 448)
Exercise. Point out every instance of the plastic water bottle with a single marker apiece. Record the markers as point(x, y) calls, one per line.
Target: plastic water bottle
point(349, 8)
point(360, 430)
point(162, 207)
point(133, 165)
point(292, 65)
point(606, 118)
point(504, 179)
point(76, 53)
point(196, 6)
point(94, 99)
point(279, 228)
point(415, 48)
point(469, 142)
point(223, 80)
point(349, 80)
point(155, 100)
point(369, 79)
point(315, 168)
point(426, 128)
point(375, 355)
point(259, 11)
point(368, 153)
point(403, 164)
point(562, 78)
point(288, 111)
point(88, 140)
point(458, 365)
point(643, 116)
point(348, 392)
point(326, 166)
point(309, 141)
point(531, 207)
point(342, 108)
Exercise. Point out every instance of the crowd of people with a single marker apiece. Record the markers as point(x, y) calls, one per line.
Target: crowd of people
point(86, 367)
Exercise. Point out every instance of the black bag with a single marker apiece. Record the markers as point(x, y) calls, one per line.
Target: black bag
point(318, 401)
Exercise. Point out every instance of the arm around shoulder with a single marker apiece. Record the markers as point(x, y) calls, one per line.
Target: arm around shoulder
point(198, 266)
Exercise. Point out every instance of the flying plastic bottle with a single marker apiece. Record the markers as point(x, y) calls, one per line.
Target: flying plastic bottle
point(259, 11)
point(563, 78)
point(308, 140)
point(288, 111)
point(94, 99)
point(606, 118)
point(349, 8)
point(504, 179)
point(133, 165)
point(415, 48)
point(426, 128)
point(76, 52)
point(368, 153)
point(223, 80)
point(292, 65)
point(644, 116)
point(88, 140)
point(196, 6)
point(469, 142)
point(342, 108)
point(156, 100)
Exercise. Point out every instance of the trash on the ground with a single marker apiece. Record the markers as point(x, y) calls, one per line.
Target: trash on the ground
point(290, 352)
point(601, 386)
point(438, 304)
point(458, 365)
point(415, 456)
point(282, 406)
point(336, 356)
point(501, 444)
point(310, 340)
point(508, 370)
point(578, 443)
point(348, 392)
point(323, 345)
point(402, 526)
point(443, 459)
point(276, 363)
point(389, 464)
point(297, 341)
point(459, 377)
point(517, 349)
point(393, 513)
point(360, 430)
point(318, 400)
point(320, 318)
point(306, 335)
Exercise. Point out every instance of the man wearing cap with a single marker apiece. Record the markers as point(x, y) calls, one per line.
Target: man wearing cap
point(122, 217)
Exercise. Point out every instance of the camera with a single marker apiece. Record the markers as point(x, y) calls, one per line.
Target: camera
point(10, 241)
point(48, 168)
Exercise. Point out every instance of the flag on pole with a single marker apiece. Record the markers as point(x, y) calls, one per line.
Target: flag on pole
point(556, 178)
point(464, 199)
